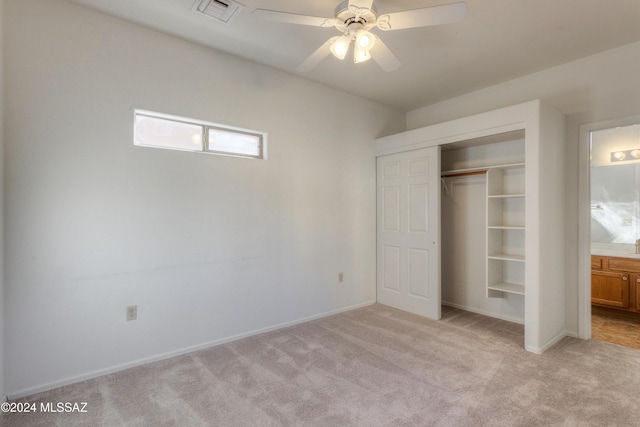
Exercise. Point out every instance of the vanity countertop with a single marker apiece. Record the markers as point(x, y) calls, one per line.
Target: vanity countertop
point(601, 252)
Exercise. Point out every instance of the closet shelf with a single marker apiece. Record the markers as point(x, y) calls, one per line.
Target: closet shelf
point(506, 257)
point(508, 166)
point(512, 288)
point(505, 196)
point(480, 169)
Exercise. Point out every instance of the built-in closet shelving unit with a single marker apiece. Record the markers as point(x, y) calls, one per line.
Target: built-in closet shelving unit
point(505, 226)
point(505, 230)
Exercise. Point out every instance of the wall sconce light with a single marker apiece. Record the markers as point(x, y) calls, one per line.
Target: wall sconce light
point(619, 156)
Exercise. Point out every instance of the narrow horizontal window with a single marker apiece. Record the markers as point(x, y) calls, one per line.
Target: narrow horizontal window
point(225, 141)
point(164, 133)
point(178, 133)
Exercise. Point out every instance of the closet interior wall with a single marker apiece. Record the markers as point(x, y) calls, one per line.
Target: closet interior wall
point(464, 225)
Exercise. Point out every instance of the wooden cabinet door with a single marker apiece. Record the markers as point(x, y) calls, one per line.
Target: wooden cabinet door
point(596, 262)
point(610, 289)
point(634, 296)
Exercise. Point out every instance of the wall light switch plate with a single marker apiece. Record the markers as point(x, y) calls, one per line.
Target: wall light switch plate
point(626, 222)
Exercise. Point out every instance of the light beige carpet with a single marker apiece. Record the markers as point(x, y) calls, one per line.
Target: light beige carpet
point(374, 366)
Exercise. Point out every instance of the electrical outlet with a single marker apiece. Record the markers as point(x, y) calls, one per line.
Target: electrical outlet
point(626, 222)
point(132, 312)
point(340, 277)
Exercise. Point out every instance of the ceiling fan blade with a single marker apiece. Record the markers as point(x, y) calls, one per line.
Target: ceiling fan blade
point(361, 4)
point(384, 57)
point(293, 18)
point(360, 7)
point(436, 15)
point(317, 56)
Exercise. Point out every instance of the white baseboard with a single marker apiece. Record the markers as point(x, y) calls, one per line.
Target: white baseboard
point(484, 313)
point(109, 370)
point(572, 334)
point(553, 341)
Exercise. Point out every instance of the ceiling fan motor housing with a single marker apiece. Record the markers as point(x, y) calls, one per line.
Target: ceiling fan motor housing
point(343, 14)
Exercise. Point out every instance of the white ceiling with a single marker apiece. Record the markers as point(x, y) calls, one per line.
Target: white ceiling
point(498, 40)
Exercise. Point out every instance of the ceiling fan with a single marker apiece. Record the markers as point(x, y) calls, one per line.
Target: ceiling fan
point(355, 18)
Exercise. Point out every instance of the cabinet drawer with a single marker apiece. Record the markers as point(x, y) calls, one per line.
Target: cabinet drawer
point(624, 264)
point(596, 263)
point(610, 289)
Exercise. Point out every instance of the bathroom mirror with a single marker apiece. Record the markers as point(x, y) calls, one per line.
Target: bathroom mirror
point(615, 187)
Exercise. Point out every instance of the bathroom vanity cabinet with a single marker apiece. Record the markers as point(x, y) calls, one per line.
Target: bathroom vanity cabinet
point(615, 282)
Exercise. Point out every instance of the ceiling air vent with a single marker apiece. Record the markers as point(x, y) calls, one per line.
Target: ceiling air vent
point(221, 10)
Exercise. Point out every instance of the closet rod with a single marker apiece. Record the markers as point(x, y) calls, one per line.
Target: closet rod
point(450, 175)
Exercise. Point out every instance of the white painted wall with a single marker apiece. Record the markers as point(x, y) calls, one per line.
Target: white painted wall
point(591, 89)
point(551, 198)
point(3, 393)
point(208, 247)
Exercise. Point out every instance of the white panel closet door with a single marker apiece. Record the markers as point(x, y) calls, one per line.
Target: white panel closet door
point(408, 231)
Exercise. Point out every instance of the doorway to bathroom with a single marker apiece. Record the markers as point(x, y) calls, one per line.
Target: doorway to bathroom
point(614, 230)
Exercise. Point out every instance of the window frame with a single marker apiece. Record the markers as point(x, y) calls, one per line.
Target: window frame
point(205, 126)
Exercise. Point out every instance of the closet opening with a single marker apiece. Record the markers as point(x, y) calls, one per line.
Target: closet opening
point(483, 201)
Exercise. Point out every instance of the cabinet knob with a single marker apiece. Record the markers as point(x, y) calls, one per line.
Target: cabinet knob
point(638, 280)
point(624, 277)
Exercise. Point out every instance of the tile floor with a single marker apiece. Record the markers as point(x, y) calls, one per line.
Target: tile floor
point(615, 326)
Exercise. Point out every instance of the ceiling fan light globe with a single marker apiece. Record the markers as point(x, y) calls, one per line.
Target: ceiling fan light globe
point(365, 40)
point(340, 47)
point(360, 55)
